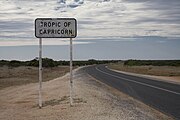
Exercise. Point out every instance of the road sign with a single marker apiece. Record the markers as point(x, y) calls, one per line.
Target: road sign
point(55, 28)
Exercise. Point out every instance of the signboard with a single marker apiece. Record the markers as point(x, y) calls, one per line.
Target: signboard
point(55, 28)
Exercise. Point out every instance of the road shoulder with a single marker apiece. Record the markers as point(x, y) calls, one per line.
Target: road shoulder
point(174, 80)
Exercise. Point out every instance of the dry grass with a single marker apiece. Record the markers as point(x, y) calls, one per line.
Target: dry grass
point(148, 70)
point(11, 76)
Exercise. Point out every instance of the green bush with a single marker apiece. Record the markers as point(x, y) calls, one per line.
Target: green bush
point(15, 63)
point(46, 62)
point(4, 62)
point(152, 62)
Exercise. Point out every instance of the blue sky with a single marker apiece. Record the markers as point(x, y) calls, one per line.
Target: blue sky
point(112, 29)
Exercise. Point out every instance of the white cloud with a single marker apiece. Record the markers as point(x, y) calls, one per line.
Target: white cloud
point(36, 42)
point(96, 18)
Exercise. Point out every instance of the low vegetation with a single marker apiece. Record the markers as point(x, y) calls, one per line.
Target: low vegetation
point(152, 62)
point(23, 72)
point(46, 62)
point(149, 67)
point(12, 76)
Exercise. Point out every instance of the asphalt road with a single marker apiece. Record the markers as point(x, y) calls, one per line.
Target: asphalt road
point(157, 94)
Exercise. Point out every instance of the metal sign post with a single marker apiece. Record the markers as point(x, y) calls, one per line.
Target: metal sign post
point(71, 74)
point(40, 72)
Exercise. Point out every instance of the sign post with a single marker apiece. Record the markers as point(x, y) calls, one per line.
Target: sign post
point(71, 74)
point(40, 73)
point(55, 28)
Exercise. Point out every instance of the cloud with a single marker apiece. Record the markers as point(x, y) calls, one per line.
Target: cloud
point(96, 18)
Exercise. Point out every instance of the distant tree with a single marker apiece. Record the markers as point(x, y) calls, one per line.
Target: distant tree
point(4, 62)
point(46, 62)
point(152, 62)
point(15, 63)
point(34, 62)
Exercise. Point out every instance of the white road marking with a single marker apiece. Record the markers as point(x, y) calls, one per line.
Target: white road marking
point(177, 93)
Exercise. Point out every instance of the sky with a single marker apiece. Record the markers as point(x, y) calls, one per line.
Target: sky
point(107, 29)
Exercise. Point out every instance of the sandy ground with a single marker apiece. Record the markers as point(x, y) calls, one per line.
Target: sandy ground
point(172, 79)
point(162, 73)
point(92, 101)
point(11, 76)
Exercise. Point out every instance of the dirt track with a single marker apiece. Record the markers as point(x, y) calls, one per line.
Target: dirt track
point(93, 101)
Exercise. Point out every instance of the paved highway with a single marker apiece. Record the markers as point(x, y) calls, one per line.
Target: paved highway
point(158, 94)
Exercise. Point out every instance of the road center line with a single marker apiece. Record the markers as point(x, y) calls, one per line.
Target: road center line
point(138, 82)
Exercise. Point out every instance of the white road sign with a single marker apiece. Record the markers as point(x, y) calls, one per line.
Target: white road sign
point(55, 28)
